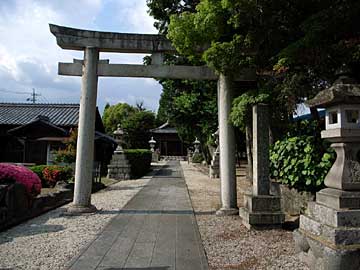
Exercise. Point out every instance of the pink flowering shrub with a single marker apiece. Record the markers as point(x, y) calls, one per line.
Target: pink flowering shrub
point(21, 175)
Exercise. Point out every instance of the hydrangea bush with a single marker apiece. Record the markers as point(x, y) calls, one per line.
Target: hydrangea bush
point(21, 175)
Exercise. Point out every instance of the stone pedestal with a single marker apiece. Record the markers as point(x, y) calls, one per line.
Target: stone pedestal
point(119, 167)
point(329, 238)
point(154, 157)
point(261, 210)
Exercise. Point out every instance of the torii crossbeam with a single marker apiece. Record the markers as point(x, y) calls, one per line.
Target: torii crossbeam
point(94, 42)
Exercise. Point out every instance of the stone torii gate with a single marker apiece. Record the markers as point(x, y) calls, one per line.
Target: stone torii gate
point(94, 42)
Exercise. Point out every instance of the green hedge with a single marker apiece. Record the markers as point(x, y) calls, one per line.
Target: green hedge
point(140, 161)
point(50, 174)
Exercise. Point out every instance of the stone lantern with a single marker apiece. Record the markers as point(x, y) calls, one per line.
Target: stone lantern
point(329, 233)
point(152, 143)
point(216, 137)
point(119, 167)
point(154, 154)
point(119, 138)
point(214, 167)
point(196, 145)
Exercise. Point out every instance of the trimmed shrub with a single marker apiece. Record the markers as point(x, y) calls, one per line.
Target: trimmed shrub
point(23, 175)
point(39, 171)
point(140, 161)
point(51, 174)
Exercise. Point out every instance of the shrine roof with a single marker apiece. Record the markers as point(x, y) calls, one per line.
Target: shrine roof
point(164, 128)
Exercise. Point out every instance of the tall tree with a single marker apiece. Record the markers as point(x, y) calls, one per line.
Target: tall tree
point(135, 121)
point(189, 105)
point(115, 115)
point(137, 129)
point(295, 46)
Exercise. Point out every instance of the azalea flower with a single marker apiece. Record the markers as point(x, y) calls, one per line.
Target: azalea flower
point(23, 175)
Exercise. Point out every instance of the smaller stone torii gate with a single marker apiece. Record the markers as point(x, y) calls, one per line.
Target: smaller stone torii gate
point(94, 42)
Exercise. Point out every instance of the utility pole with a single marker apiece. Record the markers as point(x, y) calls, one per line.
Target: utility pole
point(33, 96)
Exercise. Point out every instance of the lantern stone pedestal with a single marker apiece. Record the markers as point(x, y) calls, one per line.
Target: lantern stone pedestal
point(329, 233)
point(119, 167)
point(261, 210)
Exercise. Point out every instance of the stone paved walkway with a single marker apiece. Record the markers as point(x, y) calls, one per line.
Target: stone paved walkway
point(155, 230)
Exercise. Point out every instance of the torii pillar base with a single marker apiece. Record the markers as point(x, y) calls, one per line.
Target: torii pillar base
point(75, 210)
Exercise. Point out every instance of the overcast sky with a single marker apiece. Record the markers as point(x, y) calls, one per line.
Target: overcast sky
point(29, 54)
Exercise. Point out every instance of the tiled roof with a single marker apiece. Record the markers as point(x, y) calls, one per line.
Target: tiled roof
point(24, 113)
point(164, 128)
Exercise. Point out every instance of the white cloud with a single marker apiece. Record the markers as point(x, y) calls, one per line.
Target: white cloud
point(29, 53)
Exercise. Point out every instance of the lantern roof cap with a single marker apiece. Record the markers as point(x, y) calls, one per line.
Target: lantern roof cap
point(118, 131)
point(196, 141)
point(345, 90)
point(152, 140)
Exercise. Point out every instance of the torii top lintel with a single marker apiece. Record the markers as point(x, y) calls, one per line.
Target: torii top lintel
point(78, 39)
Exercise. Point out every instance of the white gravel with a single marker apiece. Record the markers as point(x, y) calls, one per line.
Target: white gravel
point(51, 240)
point(228, 244)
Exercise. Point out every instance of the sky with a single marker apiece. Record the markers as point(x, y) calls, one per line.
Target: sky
point(29, 54)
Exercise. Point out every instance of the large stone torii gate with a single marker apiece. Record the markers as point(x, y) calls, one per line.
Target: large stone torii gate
point(94, 42)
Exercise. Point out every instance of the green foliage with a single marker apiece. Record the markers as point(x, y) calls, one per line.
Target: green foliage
point(137, 128)
point(38, 170)
point(68, 154)
point(197, 158)
point(140, 161)
point(162, 9)
point(135, 121)
point(301, 160)
point(50, 174)
point(115, 115)
point(241, 110)
point(191, 107)
point(295, 46)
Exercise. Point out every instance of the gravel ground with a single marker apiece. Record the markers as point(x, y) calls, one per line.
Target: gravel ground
point(51, 240)
point(228, 244)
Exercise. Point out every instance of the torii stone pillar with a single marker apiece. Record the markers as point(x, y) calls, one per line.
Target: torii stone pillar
point(94, 42)
point(86, 133)
point(227, 148)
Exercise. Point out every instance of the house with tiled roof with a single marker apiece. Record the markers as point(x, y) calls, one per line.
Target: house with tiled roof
point(30, 133)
